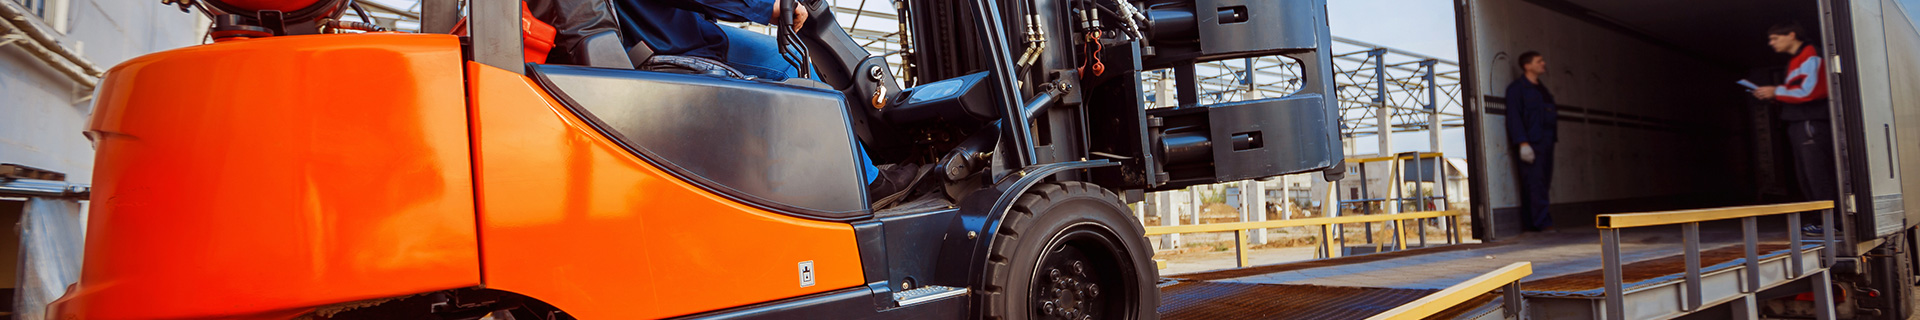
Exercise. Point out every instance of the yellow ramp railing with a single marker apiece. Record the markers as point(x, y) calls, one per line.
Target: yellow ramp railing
point(1689, 220)
point(1455, 295)
point(1239, 229)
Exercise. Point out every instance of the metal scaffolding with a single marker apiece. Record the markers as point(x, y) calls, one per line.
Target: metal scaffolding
point(1381, 90)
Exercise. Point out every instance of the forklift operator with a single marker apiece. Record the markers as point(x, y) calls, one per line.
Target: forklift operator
point(687, 28)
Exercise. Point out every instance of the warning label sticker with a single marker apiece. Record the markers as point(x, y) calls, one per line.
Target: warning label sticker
point(806, 273)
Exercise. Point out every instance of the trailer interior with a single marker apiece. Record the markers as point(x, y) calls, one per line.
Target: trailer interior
point(1650, 115)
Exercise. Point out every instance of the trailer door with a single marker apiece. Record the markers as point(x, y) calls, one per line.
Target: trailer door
point(1856, 47)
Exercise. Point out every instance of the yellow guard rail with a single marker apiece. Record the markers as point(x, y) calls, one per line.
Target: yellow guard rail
point(1610, 225)
point(1239, 229)
point(1508, 276)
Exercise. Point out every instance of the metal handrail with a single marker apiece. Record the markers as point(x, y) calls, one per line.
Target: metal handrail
point(1307, 222)
point(1508, 276)
point(1661, 218)
point(1239, 229)
point(1422, 155)
point(1610, 225)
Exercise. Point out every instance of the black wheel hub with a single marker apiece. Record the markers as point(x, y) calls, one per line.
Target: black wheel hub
point(1069, 285)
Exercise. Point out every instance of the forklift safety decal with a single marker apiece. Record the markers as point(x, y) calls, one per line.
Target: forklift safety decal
point(806, 273)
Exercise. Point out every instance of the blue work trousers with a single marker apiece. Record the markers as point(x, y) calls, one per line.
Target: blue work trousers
point(1535, 180)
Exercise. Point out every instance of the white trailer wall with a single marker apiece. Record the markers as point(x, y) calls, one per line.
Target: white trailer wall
point(1641, 121)
point(1890, 98)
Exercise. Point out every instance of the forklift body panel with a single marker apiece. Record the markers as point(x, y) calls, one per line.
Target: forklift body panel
point(269, 197)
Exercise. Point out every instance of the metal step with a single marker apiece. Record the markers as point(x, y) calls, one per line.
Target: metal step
point(925, 294)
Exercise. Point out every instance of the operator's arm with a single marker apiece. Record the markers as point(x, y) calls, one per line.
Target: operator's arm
point(1802, 82)
point(760, 11)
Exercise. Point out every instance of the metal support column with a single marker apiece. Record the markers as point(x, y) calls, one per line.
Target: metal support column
point(1240, 248)
point(1383, 130)
point(1365, 208)
point(1823, 294)
point(1795, 267)
point(1382, 112)
point(1434, 129)
point(497, 44)
point(1253, 206)
point(1515, 304)
point(1751, 234)
point(1826, 238)
point(1610, 266)
point(1394, 196)
point(1163, 205)
point(1194, 204)
point(1331, 208)
point(1690, 233)
point(1745, 308)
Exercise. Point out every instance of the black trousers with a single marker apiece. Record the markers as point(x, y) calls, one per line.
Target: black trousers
point(1535, 180)
point(1812, 144)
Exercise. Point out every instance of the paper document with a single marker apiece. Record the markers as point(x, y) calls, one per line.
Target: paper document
point(1748, 84)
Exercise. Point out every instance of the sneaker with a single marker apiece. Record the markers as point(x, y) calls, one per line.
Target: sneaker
point(1812, 230)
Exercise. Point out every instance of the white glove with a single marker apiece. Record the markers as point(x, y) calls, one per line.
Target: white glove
point(1526, 153)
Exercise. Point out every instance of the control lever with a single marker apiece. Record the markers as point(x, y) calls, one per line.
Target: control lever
point(788, 38)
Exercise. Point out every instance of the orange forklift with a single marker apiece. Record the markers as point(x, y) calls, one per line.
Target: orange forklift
point(303, 166)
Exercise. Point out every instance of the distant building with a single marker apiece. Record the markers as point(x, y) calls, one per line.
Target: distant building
point(43, 109)
point(52, 55)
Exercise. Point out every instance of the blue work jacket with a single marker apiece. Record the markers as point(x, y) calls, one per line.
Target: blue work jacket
point(1531, 115)
point(686, 27)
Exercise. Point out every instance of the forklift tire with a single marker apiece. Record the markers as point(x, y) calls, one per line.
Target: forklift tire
point(1070, 250)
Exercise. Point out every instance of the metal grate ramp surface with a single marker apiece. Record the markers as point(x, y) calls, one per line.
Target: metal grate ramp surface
point(1232, 300)
point(1642, 273)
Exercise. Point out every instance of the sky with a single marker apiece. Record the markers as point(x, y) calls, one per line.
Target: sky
point(1913, 9)
point(1421, 26)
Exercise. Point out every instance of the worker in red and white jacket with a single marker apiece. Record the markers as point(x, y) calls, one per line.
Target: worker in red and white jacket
point(1806, 85)
point(1806, 111)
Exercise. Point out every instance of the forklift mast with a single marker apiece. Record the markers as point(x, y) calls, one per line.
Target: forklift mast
point(1063, 110)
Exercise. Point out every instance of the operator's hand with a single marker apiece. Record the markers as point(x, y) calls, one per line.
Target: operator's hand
point(799, 15)
point(1526, 152)
point(1765, 93)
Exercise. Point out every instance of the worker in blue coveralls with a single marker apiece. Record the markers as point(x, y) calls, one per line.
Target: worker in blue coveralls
point(1532, 127)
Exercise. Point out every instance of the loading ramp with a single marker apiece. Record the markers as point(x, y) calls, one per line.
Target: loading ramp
point(1667, 264)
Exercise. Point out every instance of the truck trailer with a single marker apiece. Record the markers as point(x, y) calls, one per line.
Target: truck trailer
point(1650, 118)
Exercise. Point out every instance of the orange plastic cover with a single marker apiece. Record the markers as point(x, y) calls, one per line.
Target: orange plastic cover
point(570, 217)
point(261, 178)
